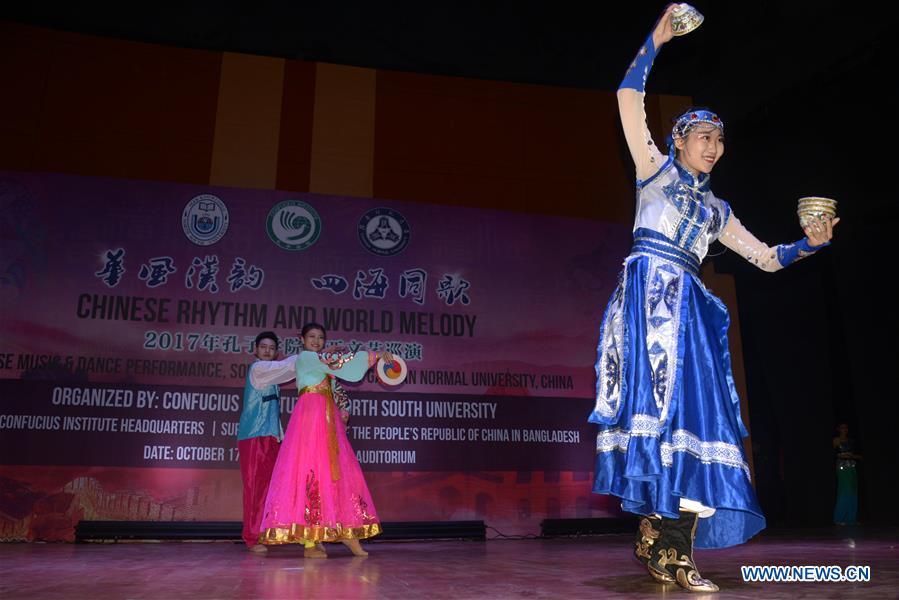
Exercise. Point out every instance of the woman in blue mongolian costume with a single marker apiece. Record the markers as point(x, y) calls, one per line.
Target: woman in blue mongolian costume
point(670, 435)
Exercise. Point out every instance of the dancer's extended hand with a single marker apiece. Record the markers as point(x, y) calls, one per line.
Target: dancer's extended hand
point(663, 31)
point(820, 231)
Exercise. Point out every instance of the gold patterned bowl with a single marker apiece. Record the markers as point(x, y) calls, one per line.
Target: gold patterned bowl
point(815, 207)
point(685, 19)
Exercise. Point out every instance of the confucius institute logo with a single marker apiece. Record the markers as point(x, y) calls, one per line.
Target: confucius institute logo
point(293, 225)
point(205, 219)
point(384, 231)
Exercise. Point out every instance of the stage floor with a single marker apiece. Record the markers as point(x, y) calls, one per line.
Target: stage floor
point(595, 567)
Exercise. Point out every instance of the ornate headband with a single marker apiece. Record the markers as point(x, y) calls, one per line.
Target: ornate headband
point(689, 120)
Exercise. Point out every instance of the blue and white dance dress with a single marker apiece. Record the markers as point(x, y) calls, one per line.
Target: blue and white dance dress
point(670, 432)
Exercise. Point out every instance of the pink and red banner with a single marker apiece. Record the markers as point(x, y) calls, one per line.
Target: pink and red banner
point(129, 310)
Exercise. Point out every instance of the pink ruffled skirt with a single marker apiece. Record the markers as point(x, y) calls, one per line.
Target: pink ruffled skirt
point(317, 492)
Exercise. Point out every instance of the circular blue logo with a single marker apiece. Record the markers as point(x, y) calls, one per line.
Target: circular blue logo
point(205, 219)
point(384, 231)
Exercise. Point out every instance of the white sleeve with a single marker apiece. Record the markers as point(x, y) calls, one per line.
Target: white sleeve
point(647, 158)
point(264, 373)
point(740, 240)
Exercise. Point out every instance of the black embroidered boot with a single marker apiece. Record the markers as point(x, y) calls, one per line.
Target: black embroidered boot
point(649, 529)
point(672, 555)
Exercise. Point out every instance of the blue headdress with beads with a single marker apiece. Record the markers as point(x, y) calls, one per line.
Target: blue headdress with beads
point(688, 121)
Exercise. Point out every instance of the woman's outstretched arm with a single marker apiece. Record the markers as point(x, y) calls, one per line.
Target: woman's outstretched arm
point(647, 158)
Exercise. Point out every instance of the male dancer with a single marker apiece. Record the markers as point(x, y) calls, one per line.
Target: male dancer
point(260, 433)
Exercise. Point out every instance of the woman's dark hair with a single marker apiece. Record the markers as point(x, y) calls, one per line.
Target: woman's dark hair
point(267, 335)
point(310, 326)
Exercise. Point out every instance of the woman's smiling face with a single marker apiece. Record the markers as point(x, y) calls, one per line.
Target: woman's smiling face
point(701, 149)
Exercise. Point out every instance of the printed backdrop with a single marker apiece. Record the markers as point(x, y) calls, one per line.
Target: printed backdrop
point(129, 310)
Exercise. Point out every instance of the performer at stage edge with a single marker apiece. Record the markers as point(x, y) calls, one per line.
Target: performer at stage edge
point(846, 508)
point(669, 442)
point(318, 492)
point(259, 433)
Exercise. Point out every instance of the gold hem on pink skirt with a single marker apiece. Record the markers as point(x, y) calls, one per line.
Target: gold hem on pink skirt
point(297, 534)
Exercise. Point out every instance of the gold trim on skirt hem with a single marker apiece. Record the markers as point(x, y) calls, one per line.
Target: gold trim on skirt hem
point(297, 534)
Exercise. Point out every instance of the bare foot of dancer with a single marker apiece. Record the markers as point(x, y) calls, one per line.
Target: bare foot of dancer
point(355, 547)
point(316, 551)
point(258, 549)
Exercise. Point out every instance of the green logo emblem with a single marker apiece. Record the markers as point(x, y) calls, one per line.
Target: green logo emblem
point(293, 225)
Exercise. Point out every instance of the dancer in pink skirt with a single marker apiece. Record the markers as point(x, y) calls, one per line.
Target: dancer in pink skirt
point(317, 492)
